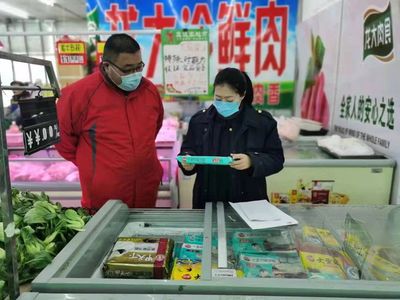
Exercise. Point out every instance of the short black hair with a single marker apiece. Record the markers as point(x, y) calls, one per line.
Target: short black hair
point(239, 81)
point(117, 44)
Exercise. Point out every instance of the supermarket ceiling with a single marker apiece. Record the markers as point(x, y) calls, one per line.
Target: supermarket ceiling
point(42, 9)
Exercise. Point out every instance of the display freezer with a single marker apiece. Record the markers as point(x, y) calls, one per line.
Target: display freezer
point(351, 181)
point(77, 268)
point(48, 172)
point(42, 296)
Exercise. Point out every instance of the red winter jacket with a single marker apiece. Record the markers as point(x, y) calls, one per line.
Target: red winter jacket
point(110, 136)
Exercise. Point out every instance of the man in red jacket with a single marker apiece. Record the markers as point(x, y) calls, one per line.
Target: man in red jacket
point(108, 123)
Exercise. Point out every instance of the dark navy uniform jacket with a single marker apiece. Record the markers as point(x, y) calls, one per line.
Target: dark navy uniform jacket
point(250, 132)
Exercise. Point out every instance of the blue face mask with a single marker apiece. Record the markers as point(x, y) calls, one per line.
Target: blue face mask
point(226, 109)
point(130, 82)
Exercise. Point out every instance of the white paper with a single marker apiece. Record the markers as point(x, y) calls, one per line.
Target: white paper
point(262, 214)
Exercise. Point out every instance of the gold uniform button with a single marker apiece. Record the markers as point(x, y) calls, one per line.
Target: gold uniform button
point(230, 129)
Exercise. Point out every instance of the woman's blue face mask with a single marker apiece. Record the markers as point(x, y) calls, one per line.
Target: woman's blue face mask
point(225, 108)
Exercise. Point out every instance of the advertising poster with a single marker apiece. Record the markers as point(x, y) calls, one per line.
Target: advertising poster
point(367, 104)
point(256, 36)
point(318, 54)
point(185, 61)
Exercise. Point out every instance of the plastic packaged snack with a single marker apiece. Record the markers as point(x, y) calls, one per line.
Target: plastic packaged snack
point(191, 251)
point(275, 265)
point(262, 241)
point(382, 264)
point(184, 269)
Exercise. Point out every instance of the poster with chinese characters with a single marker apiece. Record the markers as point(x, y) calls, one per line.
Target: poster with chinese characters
point(255, 36)
point(367, 102)
point(318, 53)
point(71, 52)
point(185, 61)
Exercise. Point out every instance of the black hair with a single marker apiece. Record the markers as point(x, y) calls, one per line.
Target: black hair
point(239, 81)
point(117, 44)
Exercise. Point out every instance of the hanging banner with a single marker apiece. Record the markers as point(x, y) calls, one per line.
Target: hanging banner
point(367, 104)
point(71, 52)
point(318, 53)
point(185, 61)
point(256, 36)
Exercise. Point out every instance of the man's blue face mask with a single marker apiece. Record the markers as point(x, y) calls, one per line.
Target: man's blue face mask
point(130, 82)
point(226, 109)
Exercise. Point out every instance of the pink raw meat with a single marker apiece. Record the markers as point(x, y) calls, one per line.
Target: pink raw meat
point(73, 177)
point(60, 170)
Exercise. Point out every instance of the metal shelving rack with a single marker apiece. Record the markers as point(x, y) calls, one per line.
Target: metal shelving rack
point(5, 185)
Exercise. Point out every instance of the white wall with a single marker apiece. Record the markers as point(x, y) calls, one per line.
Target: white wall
point(312, 7)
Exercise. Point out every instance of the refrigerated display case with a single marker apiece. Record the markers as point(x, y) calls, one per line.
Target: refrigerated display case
point(42, 296)
point(78, 267)
point(351, 181)
point(47, 171)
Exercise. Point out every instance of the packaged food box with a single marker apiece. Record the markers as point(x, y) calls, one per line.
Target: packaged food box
point(185, 269)
point(262, 241)
point(272, 265)
point(140, 258)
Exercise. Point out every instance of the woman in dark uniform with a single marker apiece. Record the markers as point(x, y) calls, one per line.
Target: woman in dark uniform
point(232, 127)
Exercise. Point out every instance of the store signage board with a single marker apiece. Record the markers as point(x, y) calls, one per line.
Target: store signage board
point(71, 52)
point(318, 53)
point(367, 102)
point(185, 60)
point(99, 51)
point(257, 36)
point(39, 124)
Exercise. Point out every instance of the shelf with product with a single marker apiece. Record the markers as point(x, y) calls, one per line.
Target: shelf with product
point(311, 175)
point(338, 255)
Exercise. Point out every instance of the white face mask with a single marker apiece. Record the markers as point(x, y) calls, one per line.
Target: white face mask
point(130, 82)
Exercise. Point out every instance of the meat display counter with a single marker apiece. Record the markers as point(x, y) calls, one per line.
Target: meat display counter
point(47, 171)
point(335, 255)
point(307, 168)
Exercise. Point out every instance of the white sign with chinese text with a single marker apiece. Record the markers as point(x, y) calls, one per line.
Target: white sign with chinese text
point(185, 62)
point(367, 101)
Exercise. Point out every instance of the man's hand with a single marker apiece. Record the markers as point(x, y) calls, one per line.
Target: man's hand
point(240, 161)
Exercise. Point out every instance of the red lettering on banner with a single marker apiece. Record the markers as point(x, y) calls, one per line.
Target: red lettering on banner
point(227, 41)
point(271, 36)
point(202, 12)
point(273, 93)
point(258, 90)
point(115, 15)
point(158, 21)
point(242, 41)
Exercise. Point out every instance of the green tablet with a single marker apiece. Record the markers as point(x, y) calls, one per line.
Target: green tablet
point(205, 160)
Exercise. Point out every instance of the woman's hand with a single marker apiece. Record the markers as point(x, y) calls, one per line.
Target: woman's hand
point(187, 167)
point(240, 161)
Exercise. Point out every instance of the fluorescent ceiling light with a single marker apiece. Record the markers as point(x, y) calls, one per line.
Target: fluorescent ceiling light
point(48, 2)
point(12, 10)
